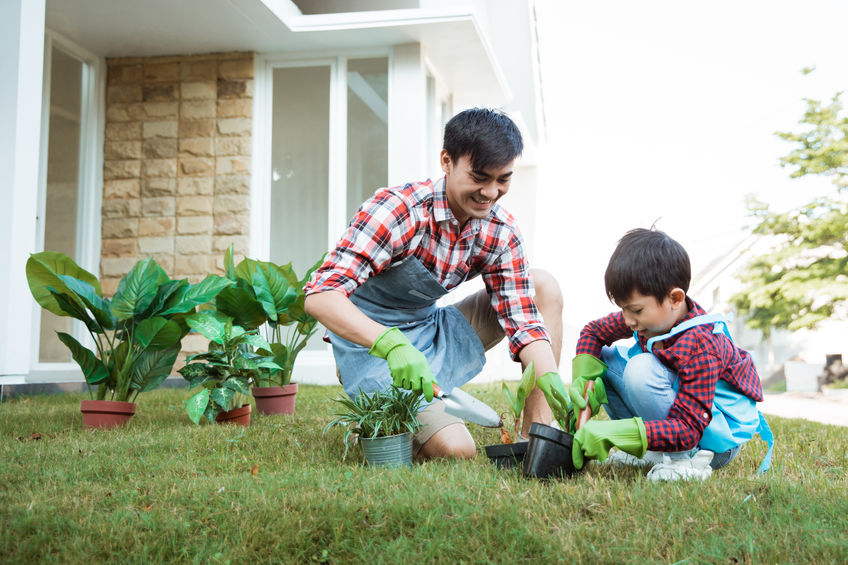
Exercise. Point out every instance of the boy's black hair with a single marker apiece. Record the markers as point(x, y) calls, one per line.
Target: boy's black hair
point(647, 261)
point(488, 137)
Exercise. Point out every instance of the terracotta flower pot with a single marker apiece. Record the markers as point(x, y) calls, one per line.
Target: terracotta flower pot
point(105, 414)
point(240, 416)
point(275, 399)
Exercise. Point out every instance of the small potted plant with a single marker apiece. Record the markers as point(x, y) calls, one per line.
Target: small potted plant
point(383, 422)
point(270, 296)
point(225, 370)
point(136, 333)
point(510, 452)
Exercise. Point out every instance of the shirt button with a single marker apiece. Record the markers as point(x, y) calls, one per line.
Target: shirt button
point(704, 415)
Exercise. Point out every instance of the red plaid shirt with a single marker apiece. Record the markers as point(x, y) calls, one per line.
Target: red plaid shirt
point(700, 358)
point(415, 220)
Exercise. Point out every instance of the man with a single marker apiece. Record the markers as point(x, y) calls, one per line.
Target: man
point(406, 247)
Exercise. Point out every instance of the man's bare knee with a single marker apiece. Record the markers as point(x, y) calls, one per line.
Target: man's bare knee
point(451, 441)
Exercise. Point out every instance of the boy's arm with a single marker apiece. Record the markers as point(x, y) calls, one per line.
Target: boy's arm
point(604, 331)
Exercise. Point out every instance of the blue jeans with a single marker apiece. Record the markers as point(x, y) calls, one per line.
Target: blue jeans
point(642, 386)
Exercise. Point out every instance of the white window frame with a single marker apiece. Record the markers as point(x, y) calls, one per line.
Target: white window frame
point(90, 176)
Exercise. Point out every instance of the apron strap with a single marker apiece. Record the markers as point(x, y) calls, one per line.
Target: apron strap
point(696, 321)
point(765, 434)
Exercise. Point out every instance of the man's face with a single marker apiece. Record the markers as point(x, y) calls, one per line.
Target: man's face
point(649, 317)
point(472, 193)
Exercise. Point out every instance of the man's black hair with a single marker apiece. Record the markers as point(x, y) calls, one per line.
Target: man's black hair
point(488, 137)
point(647, 261)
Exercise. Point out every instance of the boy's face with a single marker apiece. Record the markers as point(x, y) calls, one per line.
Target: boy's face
point(472, 193)
point(649, 317)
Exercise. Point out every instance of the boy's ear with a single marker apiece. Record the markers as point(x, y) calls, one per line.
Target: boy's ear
point(445, 161)
point(677, 297)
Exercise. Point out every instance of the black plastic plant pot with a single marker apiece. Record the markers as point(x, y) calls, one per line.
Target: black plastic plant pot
point(548, 453)
point(507, 455)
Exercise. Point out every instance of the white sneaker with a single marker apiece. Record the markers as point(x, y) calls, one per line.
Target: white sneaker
point(684, 468)
point(621, 459)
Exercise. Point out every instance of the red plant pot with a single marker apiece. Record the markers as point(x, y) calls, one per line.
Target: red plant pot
point(275, 399)
point(240, 416)
point(105, 414)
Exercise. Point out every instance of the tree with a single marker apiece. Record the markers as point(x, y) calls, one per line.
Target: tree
point(802, 279)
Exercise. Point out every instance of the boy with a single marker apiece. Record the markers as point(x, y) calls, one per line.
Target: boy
point(684, 391)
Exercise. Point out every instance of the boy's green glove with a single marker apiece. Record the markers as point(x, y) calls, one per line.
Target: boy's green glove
point(551, 384)
point(584, 368)
point(408, 366)
point(595, 438)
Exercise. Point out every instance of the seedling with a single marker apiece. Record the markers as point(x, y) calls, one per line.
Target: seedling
point(516, 403)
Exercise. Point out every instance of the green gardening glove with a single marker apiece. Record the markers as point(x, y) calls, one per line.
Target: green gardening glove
point(595, 438)
point(408, 366)
point(555, 394)
point(586, 368)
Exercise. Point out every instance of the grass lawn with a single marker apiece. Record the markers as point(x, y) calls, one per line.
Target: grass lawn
point(164, 490)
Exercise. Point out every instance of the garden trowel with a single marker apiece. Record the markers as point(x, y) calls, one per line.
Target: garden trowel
point(462, 405)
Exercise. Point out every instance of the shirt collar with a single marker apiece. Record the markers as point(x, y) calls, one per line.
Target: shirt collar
point(443, 213)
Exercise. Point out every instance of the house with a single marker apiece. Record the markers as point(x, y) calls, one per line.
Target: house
point(174, 129)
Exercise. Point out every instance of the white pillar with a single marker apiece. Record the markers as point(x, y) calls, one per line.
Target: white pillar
point(407, 115)
point(21, 66)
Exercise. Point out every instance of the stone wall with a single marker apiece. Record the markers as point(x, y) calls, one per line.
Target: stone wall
point(176, 163)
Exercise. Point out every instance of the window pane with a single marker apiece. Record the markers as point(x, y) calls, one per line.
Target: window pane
point(367, 129)
point(62, 190)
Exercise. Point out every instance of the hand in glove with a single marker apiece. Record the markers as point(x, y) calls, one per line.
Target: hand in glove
point(585, 368)
point(555, 394)
point(595, 438)
point(408, 366)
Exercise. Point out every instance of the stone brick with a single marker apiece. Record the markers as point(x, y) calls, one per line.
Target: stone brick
point(109, 285)
point(153, 245)
point(123, 131)
point(159, 186)
point(234, 126)
point(126, 247)
point(232, 184)
point(194, 205)
point(159, 148)
point(161, 72)
point(195, 109)
point(238, 68)
point(190, 225)
point(201, 90)
point(160, 168)
point(121, 188)
point(197, 147)
point(235, 108)
point(161, 110)
point(116, 266)
point(189, 186)
point(231, 165)
point(121, 208)
point(161, 92)
point(165, 260)
point(220, 243)
point(197, 128)
point(193, 264)
point(155, 226)
point(119, 228)
point(194, 71)
point(232, 146)
point(231, 224)
point(166, 129)
point(235, 88)
point(122, 150)
point(197, 166)
point(124, 74)
point(157, 206)
point(231, 203)
point(194, 343)
point(123, 93)
point(193, 244)
point(124, 112)
point(127, 169)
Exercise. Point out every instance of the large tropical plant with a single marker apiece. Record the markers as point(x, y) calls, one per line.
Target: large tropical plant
point(136, 333)
point(270, 296)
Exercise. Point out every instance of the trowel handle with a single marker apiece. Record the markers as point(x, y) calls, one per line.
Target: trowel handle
point(437, 391)
point(586, 413)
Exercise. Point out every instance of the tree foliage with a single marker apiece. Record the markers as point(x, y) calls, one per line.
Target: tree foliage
point(801, 279)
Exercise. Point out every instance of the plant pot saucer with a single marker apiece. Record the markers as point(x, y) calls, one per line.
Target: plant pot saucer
point(507, 455)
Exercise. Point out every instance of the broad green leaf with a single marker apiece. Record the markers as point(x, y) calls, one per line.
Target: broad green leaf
point(93, 369)
point(137, 290)
point(42, 272)
point(210, 325)
point(75, 308)
point(153, 367)
point(262, 290)
point(211, 411)
point(229, 268)
point(282, 291)
point(245, 270)
point(510, 400)
point(525, 386)
point(196, 405)
point(238, 384)
point(187, 298)
point(288, 272)
point(268, 364)
point(164, 295)
point(257, 341)
point(311, 270)
point(98, 305)
point(242, 306)
point(157, 333)
point(222, 397)
point(280, 353)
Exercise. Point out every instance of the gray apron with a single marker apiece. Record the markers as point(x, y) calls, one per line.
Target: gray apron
point(404, 296)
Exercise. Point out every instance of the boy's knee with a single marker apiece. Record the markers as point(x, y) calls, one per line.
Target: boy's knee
point(547, 288)
point(638, 371)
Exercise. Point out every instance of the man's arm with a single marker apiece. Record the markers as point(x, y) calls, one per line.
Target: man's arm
point(342, 317)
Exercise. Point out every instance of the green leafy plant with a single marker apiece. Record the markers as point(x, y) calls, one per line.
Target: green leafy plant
point(516, 403)
point(379, 414)
point(136, 333)
point(271, 296)
point(225, 370)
